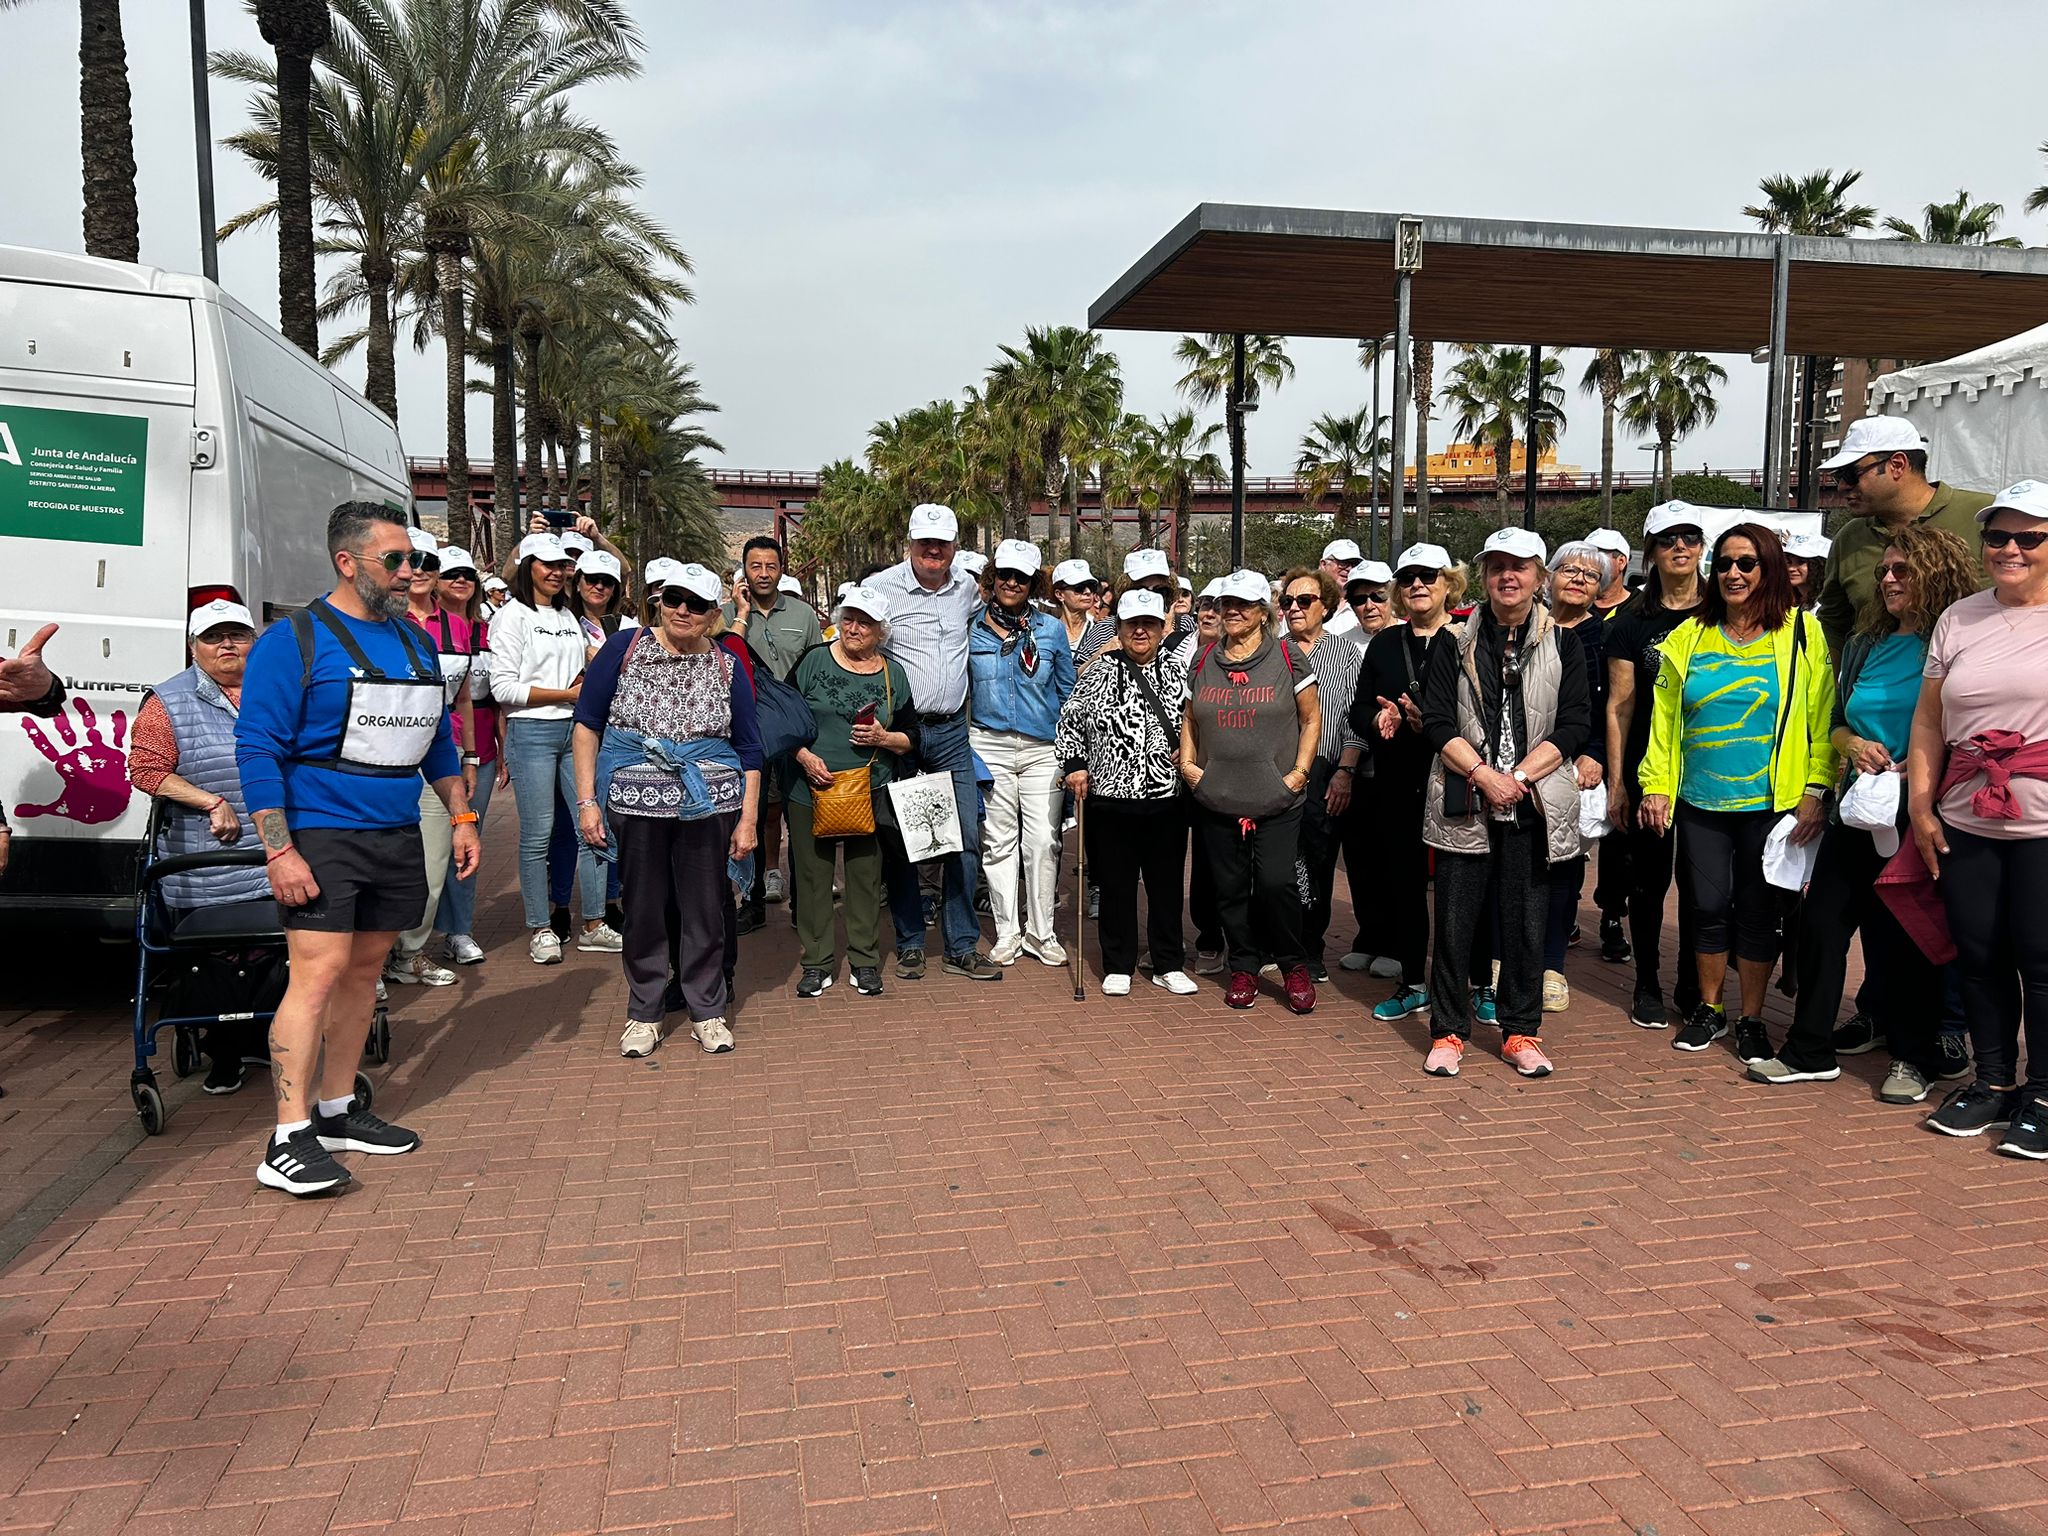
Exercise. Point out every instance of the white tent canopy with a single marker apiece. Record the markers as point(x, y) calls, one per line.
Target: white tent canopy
point(1984, 413)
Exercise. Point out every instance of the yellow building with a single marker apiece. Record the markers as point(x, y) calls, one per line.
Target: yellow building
point(1475, 461)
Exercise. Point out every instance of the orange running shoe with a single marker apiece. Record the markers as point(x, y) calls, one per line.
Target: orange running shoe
point(1525, 1054)
point(1445, 1052)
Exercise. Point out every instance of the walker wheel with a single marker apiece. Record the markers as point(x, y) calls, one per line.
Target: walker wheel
point(364, 1092)
point(149, 1107)
point(184, 1051)
point(377, 1044)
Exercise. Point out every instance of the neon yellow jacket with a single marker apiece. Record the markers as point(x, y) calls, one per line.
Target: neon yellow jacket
point(1803, 759)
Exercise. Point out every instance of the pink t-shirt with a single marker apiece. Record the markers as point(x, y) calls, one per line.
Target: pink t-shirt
point(1992, 663)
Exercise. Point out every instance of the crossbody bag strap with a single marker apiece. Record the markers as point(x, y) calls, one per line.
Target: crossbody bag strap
point(1137, 675)
point(1791, 682)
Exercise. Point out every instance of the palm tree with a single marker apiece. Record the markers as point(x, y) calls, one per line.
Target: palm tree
point(295, 30)
point(1669, 395)
point(1177, 450)
point(1488, 387)
point(1603, 377)
point(1068, 389)
point(1958, 223)
point(1208, 377)
point(106, 131)
point(1344, 454)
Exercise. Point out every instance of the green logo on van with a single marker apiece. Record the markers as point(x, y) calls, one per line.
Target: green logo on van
point(74, 475)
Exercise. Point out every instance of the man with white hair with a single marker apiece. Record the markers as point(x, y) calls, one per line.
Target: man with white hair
point(932, 604)
point(1614, 542)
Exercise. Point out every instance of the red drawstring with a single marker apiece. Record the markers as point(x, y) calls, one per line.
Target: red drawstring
point(1246, 827)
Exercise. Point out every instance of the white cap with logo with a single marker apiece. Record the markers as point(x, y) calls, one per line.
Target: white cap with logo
point(790, 585)
point(1213, 590)
point(544, 547)
point(1521, 543)
point(1144, 564)
point(929, 520)
point(455, 558)
point(1667, 515)
point(2026, 497)
point(1017, 555)
point(423, 541)
point(1424, 557)
point(598, 562)
point(1808, 546)
point(972, 561)
point(1246, 586)
point(1141, 603)
point(1345, 551)
point(575, 542)
point(694, 579)
point(1613, 540)
point(661, 571)
point(1876, 434)
point(1375, 571)
point(1072, 573)
point(865, 600)
point(216, 613)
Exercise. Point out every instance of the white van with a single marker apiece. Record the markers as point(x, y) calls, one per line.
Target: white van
point(159, 446)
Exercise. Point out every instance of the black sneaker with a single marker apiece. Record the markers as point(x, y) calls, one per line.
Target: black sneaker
point(867, 981)
point(1973, 1109)
point(2028, 1136)
point(1706, 1025)
point(360, 1131)
point(750, 920)
point(974, 965)
point(910, 965)
point(1614, 945)
point(1955, 1057)
point(1647, 1011)
point(812, 982)
point(558, 919)
point(615, 917)
point(1752, 1040)
point(1860, 1034)
point(300, 1166)
point(225, 1075)
point(1317, 971)
point(1574, 938)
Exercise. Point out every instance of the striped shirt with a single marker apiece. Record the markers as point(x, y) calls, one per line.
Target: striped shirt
point(1338, 659)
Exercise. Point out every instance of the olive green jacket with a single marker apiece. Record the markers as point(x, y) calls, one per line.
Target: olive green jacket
point(1852, 563)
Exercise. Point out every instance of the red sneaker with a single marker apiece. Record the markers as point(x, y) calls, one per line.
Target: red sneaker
point(1301, 990)
point(1244, 990)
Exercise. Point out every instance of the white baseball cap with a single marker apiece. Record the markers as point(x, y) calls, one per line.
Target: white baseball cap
point(791, 585)
point(1142, 564)
point(1344, 550)
point(495, 583)
point(1141, 603)
point(1522, 543)
point(216, 613)
point(544, 547)
point(2026, 497)
point(694, 579)
point(1072, 573)
point(1613, 540)
point(1374, 571)
point(598, 562)
point(929, 520)
point(1674, 514)
point(972, 561)
point(1876, 434)
point(1185, 584)
point(455, 558)
point(1017, 555)
point(865, 600)
point(1246, 586)
point(1213, 590)
point(575, 542)
point(1808, 546)
point(423, 541)
point(658, 571)
point(1428, 557)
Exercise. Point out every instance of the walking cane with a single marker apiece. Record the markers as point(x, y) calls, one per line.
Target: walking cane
point(1080, 889)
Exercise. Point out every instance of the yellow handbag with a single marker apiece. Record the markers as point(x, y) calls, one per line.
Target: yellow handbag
point(846, 807)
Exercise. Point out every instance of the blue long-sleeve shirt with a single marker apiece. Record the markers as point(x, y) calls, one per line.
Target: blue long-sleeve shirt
point(280, 724)
point(601, 683)
point(1003, 698)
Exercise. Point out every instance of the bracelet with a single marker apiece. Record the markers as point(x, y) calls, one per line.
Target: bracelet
point(584, 805)
point(472, 762)
point(1351, 768)
point(272, 858)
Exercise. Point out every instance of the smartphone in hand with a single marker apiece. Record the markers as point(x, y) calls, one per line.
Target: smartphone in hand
point(866, 714)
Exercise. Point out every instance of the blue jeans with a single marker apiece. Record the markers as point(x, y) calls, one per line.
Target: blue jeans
point(942, 748)
point(537, 752)
point(457, 912)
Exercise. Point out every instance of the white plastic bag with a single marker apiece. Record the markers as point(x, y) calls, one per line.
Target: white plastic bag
point(926, 815)
point(1788, 865)
point(1871, 804)
point(1593, 813)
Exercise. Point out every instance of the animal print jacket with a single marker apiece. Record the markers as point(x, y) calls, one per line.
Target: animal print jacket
point(1108, 727)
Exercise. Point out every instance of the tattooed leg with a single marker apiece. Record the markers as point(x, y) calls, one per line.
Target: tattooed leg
point(318, 963)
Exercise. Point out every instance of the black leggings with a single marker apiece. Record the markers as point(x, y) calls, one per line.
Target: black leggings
point(1650, 859)
point(1993, 888)
point(1724, 871)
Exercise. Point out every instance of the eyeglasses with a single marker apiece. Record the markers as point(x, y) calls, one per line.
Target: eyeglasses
point(1298, 600)
point(1892, 568)
point(1366, 595)
point(1679, 538)
point(392, 559)
point(1014, 578)
point(1852, 474)
point(1576, 573)
point(1742, 563)
point(1998, 538)
point(682, 597)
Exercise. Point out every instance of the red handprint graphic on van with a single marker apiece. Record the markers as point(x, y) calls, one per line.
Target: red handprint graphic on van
point(94, 773)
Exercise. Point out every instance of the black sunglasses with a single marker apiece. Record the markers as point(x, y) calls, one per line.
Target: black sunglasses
point(1742, 563)
point(1998, 538)
point(460, 573)
point(1298, 600)
point(682, 597)
point(602, 581)
point(1852, 474)
point(1090, 587)
point(1679, 538)
point(1413, 574)
point(1366, 595)
point(1014, 578)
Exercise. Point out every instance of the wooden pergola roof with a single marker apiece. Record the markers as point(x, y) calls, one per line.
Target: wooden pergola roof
point(1313, 272)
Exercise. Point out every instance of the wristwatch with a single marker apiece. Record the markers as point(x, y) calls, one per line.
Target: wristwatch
point(471, 761)
point(1521, 778)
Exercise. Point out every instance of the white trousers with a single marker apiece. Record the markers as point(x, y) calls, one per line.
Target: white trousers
point(437, 833)
point(1020, 837)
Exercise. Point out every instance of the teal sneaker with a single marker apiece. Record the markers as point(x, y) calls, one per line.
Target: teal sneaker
point(1408, 1000)
point(1482, 1006)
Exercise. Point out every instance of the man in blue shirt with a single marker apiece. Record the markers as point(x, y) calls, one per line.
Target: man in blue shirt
point(341, 716)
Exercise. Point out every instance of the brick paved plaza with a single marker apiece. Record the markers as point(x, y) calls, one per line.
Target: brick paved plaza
point(972, 1258)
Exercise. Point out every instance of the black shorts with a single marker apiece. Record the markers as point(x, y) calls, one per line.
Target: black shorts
point(372, 881)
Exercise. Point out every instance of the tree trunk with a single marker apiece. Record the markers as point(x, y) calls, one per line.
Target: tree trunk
point(106, 134)
point(1016, 511)
point(1664, 444)
point(1070, 493)
point(448, 269)
point(536, 496)
point(551, 475)
point(1503, 472)
point(380, 381)
point(297, 298)
point(1423, 370)
point(1610, 397)
point(504, 439)
point(1144, 518)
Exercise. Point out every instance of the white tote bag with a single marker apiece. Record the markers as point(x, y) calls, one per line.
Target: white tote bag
point(926, 815)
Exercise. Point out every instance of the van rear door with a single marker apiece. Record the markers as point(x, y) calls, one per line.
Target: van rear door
point(96, 392)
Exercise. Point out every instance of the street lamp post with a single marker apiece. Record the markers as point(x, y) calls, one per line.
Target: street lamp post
point(1235, 410)
point(1529, 448)
point(1407, 262)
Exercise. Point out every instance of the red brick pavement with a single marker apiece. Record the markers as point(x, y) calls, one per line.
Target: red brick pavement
point(973, 1258)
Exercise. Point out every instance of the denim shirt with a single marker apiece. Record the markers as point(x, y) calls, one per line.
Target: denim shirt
point(1003, 698)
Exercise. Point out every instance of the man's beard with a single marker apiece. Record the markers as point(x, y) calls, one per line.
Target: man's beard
point(382, 601)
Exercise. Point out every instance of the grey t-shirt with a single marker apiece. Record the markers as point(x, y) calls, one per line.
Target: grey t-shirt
point(1247, 728)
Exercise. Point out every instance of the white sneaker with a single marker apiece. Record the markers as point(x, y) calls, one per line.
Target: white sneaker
point(712, 1034)
point(1557, 992)
point(1387, 967)
point(771, 886)
point(1116, 986)
point(1270, 968)
point(1179, 983)
point(1355, 960)
point(464, 950)
point(604, 938)
point(1006, 951)
point(417, 971)
point(1049, 951)
point(543, 948)
point(1208, 962)
point(640, 1039)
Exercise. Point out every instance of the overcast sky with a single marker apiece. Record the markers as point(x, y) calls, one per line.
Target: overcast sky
point(875, 195)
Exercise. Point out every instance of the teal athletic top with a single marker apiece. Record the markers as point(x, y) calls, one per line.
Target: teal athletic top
point(1728, 722)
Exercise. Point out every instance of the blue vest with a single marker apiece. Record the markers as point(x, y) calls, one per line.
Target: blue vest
point(204, 723)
